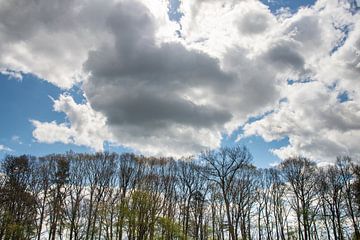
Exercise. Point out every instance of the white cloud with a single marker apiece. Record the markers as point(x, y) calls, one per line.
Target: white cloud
point(84, 127)
point(5, 148)
point(317, 124)
point(50, 39)
point(51, 132)
point(12, 74)
point(148, 90)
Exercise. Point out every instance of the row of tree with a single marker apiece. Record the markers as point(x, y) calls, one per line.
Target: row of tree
point(220, 195)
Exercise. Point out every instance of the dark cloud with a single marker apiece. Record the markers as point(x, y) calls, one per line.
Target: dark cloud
point(139, 84)
point(284, 54)
point(145, 109)
point(21, 19)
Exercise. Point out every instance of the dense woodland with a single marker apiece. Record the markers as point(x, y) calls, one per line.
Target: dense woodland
point(218, 195)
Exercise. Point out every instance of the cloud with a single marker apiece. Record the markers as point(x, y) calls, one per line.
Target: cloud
point(51, 132)
point(84, 127)
point(317, 124)
point(253, 23)
point(5, 148)
point(12, 74)
point(343, 66)
point(166, 93)
point(50, 39)
point(149, 90)
point(285, 55)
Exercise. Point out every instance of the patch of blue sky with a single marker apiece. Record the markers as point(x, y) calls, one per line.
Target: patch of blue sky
point(259, 148)
point(306, 80)
point(345, 30)
point(343, 97)
point(24, 100)
point(292, 5)
point(174, 13)
point(77, 94)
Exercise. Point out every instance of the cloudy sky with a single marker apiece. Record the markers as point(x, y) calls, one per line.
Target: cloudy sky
point(176, 77)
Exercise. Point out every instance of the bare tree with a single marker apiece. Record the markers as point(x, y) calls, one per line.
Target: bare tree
point(59, 183)
point(345, 166)
point(221, 168)
point(301, 174)
point(219, 195)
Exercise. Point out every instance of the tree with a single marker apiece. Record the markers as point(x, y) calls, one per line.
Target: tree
point(345, 166)
point(18, 204)
point(300, 172)
point(59, 181)
point(219, 195)
point(221, 167)
point(331, 188)
point(190, 183)
point(356, 185)
point(76, 193)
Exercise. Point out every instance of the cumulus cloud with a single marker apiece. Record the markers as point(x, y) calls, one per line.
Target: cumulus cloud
point(50, 39)
point(147, 89)
point(51, 132)
point(317, 123)
point(84, 126)
point(170, 93)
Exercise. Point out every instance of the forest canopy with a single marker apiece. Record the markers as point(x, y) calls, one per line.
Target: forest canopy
point(218, 195)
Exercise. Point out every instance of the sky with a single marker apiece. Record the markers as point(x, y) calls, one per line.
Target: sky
point(174, 78)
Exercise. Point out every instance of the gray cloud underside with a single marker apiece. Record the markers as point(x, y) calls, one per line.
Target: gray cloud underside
point(141, 87)
point(148, 88)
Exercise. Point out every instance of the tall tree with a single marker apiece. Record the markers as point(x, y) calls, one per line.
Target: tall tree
point(300, 172)
point(345, 166)
point(60, 180)
point(17, 203)
point(221, 168)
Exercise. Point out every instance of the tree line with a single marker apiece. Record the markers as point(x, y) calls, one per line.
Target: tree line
point(218, 195)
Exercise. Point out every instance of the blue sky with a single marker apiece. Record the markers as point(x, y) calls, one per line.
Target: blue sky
point(79, 120)
point(21, 101)
point(275, 5)
point(31, 98)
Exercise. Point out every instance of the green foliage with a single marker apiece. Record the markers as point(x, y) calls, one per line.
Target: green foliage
point(17, 204)
point(170, 229)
